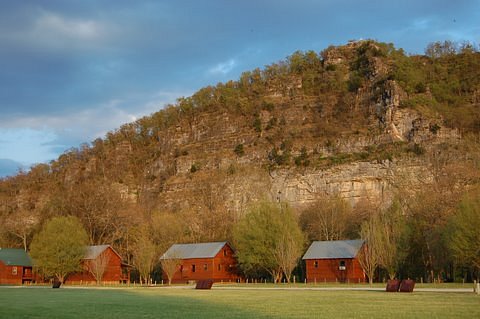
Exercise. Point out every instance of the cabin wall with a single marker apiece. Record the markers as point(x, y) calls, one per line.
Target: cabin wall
point(112, 274)
point(14, 275)
point(328, 270)
point(222, 267)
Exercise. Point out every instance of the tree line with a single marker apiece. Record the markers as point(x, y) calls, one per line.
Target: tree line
point(416, 241)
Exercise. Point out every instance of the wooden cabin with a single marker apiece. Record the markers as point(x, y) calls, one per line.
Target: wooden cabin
point(334, 261)
point(101, 262)
point(203, 261)
point(15, 267)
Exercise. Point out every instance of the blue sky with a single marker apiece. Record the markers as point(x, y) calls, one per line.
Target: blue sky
point(70, 71)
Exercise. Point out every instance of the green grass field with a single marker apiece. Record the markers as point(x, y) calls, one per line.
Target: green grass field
point(44, 302)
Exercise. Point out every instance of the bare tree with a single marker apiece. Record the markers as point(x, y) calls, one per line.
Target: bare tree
point(98, 266)
point(393, 231)
point(168, 228)
point(288, 250)
point(211, 219)
point(144, 254)
point(98, 205)
point(170, 266)
point(21, 224)
point(329, 218)
point(369, 255)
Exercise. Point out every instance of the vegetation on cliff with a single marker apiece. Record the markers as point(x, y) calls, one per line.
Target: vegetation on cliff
point(190, 171)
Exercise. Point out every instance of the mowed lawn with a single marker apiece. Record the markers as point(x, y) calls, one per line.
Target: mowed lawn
point(43, 302)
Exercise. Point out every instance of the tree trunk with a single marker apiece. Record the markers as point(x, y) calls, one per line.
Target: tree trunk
point(25, 242)
point(288, 277)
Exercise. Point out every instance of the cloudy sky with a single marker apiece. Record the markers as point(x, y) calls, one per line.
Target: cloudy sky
point(72, 70)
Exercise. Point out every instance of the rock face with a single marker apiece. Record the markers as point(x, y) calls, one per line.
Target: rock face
point(354, 182)
point(206, 156)
point(293, 151)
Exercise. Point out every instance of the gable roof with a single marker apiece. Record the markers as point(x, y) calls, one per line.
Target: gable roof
point(333, 249)
point(93, 252)
point(15, 257)
point(188, 251)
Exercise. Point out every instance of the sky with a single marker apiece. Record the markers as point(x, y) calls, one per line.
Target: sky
point(73, 70)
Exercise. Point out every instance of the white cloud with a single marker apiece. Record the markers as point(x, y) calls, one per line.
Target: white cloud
point(48, 30)
point(421, 24)
point(36, 139)
point(223, 68)
point(51, 24)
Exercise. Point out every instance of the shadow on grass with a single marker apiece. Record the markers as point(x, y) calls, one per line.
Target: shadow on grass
point(242, 303)
point(115, 303)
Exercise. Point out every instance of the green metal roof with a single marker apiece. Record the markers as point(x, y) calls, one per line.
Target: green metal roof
point(15, 257)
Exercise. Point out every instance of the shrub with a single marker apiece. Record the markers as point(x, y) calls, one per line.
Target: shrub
point(239, 150)
point(195, 167)
point(417, 149)
point(434, 128)
point(302, 159)
point(257, 123)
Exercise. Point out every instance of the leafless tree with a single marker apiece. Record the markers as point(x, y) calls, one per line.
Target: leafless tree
point(170, 266)
point(287, 252)
point(98, 266)
point(329, 218)
point(21, 224)
point(393, 232)
point(369, 255)
point(144, 254)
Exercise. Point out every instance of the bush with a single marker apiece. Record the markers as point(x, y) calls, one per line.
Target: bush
point(434, 128)
point(417, 149)
point(239, 150)
point(195, 167)
point(355, 82)
point(257, 124)
point(302, 159)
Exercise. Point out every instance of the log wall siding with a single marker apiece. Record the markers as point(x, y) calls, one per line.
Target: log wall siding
point(327, 270)
point(14, 275)
point(222, 267)
point(113, 271)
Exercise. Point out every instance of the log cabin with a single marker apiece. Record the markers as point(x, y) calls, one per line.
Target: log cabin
point(203, 261)
point(334, 261)
point(15, 267)
point(101, 264)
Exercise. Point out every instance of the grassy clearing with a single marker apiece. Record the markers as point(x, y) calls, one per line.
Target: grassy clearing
point(45, 302)
point(346, 285)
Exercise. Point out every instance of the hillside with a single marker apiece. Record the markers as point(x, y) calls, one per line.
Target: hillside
point(363, 121)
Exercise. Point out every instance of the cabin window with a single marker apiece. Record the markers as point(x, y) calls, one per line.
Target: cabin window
point(342, 266)
point(224, 252)
point(193, 268)
point(219, 267)
point(315, 263)
point(205, 267)
point(14, 270)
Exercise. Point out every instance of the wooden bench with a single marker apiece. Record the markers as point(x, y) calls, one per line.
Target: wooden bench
point(405, 285)
point(204, 284)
